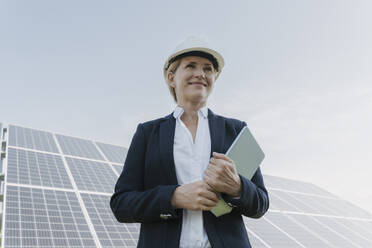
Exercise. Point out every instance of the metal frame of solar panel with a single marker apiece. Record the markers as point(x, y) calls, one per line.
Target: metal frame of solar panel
point(57, 191)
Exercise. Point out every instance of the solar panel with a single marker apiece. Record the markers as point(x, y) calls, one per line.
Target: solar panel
point(345, 231)
point(271, 234)
point(32, 139)
point(335, 239)
point(1, 138)
point(356, 227)
point(78, 147)
point(113, 153)
point(57, 192)
point(292, 198)
point(294, 185)
point(91, 175)
point(109, 231)
point(298, 232)
point(44, 218)
point(118, 168)
point(277, 203)
point(36, 168)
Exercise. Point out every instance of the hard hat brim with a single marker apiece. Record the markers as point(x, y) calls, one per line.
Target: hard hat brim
point(215, 54)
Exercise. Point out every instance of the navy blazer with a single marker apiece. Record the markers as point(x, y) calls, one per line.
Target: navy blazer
point(144, 189)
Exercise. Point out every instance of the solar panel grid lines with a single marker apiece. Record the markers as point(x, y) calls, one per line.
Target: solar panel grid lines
point(356, 230)
point(31, 138)
point(347, 209)
point(344, 231)
point(43, 218)
point(36, 168)
point(108, 160)
point(110, 232)
point(293, 185)
point(78, 147)
point(296, 231)
point(272, 235)
point(118, 169)
point(39, 187)
point(363, 225)
point(303, 193)
point(301, 205)
point(317, 203)
point(255, 239)
point(92, 176)
point(337, 239)
point(314, 232)
point(113, 153)
point(281, 204)
point(82, 206)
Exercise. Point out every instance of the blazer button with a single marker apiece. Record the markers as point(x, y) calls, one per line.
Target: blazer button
point(165, 216)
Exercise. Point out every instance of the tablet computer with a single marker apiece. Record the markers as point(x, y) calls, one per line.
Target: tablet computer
point(247, 156)
point(246, 153)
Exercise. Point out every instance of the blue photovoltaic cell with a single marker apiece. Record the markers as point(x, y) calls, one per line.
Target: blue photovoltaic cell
point(91, 175)
point(113, 153)
point(78, 147)
point(110, 232)
point(36, 168)
point(32, 139)
point(44, 218)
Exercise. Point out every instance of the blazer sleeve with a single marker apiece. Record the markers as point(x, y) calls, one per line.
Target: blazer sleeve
point(254, 199)
point(130, 201)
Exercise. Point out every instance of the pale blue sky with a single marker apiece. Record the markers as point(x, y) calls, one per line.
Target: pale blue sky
point(298, 72)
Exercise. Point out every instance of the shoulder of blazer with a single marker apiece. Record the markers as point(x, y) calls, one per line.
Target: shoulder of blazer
point(149, 126)
point(229, 122)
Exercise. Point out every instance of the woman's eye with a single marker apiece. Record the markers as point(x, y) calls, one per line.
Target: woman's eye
point(190, 66)
point(208, 69)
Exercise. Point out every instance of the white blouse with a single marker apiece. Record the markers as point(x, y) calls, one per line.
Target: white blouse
point(191, 159)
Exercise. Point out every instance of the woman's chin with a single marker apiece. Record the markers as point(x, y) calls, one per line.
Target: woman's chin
point(198, 97)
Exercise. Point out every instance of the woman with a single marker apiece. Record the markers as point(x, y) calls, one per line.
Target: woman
point(175, 167)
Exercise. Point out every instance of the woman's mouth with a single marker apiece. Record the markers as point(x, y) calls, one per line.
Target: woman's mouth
point(198, 83)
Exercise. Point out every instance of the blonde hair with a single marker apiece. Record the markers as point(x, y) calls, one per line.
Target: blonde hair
point(172, 69)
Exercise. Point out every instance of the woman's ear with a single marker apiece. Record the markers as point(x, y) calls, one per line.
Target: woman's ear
point(171, 80)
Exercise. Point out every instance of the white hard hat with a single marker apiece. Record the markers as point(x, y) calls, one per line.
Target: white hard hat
point(195, 46)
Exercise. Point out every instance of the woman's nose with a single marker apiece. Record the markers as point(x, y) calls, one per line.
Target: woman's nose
point(199, 72)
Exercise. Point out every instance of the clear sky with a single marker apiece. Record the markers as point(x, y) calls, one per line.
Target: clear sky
point(298, 72)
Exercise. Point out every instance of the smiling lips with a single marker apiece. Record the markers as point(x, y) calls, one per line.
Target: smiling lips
point(198, 83)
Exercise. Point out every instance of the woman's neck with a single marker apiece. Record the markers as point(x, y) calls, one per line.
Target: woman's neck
point(190, 110)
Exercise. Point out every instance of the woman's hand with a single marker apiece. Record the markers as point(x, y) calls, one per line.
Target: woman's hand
point(221, 175)
point(194, 196)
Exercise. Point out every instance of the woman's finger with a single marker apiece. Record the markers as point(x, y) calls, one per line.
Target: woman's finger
point(222, 156)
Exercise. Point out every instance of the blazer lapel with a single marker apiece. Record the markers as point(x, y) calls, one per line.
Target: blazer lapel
point(217, 132)
point(166, 136)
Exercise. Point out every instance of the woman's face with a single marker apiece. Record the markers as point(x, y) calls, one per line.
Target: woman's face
point(193, 80)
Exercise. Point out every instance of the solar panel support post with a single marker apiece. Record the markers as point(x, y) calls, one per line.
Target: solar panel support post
point(3, 146)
